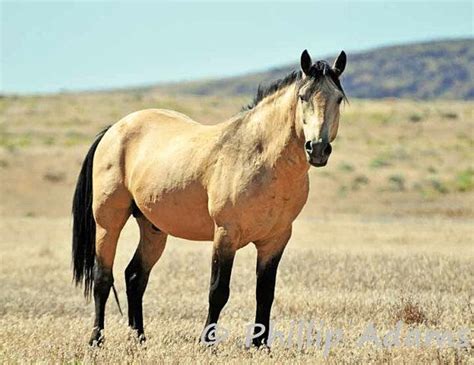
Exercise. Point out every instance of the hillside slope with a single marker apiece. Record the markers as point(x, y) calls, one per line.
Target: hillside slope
point(438, 69)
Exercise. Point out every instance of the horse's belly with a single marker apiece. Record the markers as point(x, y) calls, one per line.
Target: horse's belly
point(182, 213)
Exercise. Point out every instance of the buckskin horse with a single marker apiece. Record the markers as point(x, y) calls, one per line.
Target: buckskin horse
point(244, 180)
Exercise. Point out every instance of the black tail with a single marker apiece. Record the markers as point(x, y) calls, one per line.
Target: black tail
point(83, 231)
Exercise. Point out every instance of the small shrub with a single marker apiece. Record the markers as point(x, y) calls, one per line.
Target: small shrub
point(396, 182)
point(415, 118)
point(432, 170)
point(449, 115)
point(49, 140)
point(54, 177)
point(379, 162)
point(438, 186)
point(465, 180)
point(359, 181)
point(431, 188)
point(411, 313)
point(346, 167)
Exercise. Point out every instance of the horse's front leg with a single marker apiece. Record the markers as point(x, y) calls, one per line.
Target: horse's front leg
point(268, 258)
point(222, 260)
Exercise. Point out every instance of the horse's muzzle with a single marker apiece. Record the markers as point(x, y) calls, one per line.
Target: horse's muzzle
point(318, 153)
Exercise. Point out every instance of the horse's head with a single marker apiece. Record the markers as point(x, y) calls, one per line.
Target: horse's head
point(319, 98)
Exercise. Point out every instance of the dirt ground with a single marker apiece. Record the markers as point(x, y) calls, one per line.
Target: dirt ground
point(386, 236)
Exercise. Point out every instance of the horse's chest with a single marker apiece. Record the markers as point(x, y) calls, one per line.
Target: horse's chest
point(282, 198)
point(270, 208)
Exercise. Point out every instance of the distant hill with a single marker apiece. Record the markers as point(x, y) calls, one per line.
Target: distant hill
point(431, 70)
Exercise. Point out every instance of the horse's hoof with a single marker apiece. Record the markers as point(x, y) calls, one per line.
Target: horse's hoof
point(141, 338)
point(260, 343)
point(134, 335)
point(97, 338)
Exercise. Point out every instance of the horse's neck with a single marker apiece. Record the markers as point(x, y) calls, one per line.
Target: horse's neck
point(271, 126)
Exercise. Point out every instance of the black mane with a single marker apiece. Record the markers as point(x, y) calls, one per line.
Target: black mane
point(320, 68)
point(264, 91)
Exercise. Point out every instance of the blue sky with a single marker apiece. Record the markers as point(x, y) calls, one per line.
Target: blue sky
point(53, 46)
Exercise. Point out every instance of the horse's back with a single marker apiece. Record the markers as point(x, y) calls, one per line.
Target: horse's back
point(145, 133)
point(141, 133)
point(159, 120)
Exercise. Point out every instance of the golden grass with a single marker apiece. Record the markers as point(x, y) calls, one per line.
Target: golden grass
point(386, 236)
point(343, 270)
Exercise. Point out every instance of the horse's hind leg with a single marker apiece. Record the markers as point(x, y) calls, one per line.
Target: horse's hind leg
point(151, 246)
point(111, 212)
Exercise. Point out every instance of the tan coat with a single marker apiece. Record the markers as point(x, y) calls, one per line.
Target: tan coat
point(248, 175)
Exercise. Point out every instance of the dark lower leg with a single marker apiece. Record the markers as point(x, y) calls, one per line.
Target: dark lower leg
point(136, 278)
point(266, 278)
point(219, 290)
point(103, 281)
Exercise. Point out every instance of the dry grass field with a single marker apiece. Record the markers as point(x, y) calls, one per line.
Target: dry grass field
point(386, 236)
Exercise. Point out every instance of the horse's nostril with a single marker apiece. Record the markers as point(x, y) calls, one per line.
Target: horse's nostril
point(309, 146)
point(328, 150)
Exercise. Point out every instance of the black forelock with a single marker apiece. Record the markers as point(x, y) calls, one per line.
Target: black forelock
point(322, 68)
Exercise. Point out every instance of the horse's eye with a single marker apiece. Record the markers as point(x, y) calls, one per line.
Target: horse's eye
point(339, 100)
point(302, 98)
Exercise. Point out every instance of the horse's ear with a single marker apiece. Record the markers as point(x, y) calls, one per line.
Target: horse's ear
point(306, 62)
point(340, 63)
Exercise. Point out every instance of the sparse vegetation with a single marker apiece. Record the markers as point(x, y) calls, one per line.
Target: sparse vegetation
point(432, 170)
point(415, 118)
point(379, 162)
point(357, 250)
point(465, 180)
point(449, 115)
point(397, 182)
point(54, 177)
point(345, 272)
point(439, 186)
point(358, 181)
point(345, 166)
point(432, 188)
